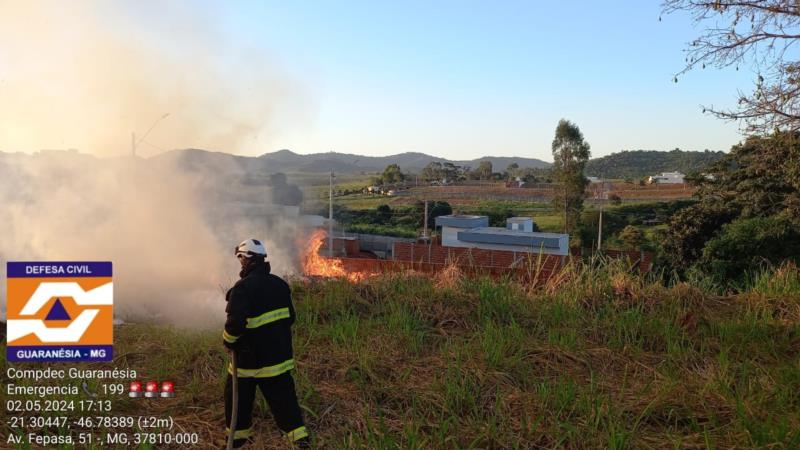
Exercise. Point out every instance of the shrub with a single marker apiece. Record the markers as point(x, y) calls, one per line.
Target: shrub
point(384, 213)
point(632, 237)
point(745, 244)
point(690, 229)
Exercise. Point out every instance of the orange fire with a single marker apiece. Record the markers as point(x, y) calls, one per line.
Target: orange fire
point(316, 265)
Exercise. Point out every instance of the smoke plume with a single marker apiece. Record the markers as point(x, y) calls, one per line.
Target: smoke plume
point(169, 230)
point(87, 74)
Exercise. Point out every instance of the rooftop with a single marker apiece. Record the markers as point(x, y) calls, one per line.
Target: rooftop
point(496, 235)
point(462, 216)
point(462, 221)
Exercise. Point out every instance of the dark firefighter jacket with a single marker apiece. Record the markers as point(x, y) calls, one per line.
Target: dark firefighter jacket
point(260, 316)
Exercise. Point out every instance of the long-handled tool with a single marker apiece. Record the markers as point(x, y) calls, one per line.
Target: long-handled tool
point(234, 400)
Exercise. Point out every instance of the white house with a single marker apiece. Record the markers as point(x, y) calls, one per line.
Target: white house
point(667, 178)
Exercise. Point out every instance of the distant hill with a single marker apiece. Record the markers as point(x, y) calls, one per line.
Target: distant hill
point(633, 164)
point(219, 163)
point(642, 163)
point(287, 161)
point(500, 163)
point(290, 162)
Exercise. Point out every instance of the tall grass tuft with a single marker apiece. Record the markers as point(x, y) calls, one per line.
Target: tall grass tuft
point(779, 281)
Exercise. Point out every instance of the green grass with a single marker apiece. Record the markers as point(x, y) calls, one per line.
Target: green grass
point(543, 214)
point(601, 359)
point(370, 202)
point(384, 230)
point(552, 223)
point(318, 183)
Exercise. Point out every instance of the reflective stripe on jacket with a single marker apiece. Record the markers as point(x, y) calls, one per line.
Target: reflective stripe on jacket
point(259, 319)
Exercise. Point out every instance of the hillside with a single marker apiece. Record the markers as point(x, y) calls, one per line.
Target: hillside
point(288, 161)
point(499, 163)
point(633, 164)
point(642, 163)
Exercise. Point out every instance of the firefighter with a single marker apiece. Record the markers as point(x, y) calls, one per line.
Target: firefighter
point(258, 329)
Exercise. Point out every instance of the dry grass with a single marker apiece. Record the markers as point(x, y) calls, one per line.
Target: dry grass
point(596, 357)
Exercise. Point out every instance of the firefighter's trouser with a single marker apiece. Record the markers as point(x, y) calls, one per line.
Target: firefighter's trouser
point(281, 398)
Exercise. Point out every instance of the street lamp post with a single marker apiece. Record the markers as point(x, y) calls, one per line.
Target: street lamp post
point(135, 143)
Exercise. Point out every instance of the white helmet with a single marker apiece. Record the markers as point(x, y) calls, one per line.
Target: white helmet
point(250, 248)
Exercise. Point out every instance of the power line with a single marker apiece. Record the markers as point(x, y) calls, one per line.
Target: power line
point(153, 145)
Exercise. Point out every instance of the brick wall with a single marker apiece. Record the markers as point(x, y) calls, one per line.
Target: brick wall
point(643, 260)
point(341, 246)
point(383, 266)
point(433, 258)
point(475, 257)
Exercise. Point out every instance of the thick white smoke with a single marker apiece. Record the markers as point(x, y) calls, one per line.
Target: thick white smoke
point(169, 231)
point(87, 74)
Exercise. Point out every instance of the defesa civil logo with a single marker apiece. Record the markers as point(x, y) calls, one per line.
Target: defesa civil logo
point(59, 311)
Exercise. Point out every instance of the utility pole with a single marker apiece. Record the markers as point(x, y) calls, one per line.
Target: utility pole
point(135, 143)
point(330, 218)
point(600, 222)
point(425, 230)
point(565, 208)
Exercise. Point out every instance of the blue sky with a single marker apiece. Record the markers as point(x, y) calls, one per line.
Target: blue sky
point(473, 78)
point(454, 79)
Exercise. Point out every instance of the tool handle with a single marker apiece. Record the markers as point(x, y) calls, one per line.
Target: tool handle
point(234, 399)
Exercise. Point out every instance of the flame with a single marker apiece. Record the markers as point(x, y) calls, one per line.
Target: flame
point(316, 265)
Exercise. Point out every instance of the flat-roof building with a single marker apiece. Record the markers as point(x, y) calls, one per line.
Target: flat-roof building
point(667, 178)
point(517, 236)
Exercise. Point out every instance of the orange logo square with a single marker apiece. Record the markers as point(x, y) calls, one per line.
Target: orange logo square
point(60, 311)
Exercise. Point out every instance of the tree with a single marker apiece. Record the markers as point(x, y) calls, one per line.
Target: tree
point(631, 237)
point(392, 174)
point(512, 170)
point(586, 232)
point(435, 209)
point(689, 229)
point(463, 173)
point(570, 153)
point(758, 177)
point(451, 172)
point(746, 244)
point(437, 171)
point(484, 170)
point(752, 32)
point(384, 213)
point(530, 175)
point(432, 172)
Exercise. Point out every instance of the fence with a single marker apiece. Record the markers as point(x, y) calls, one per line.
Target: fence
point(476, 257)
point(373, 266)
point(527, 267)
